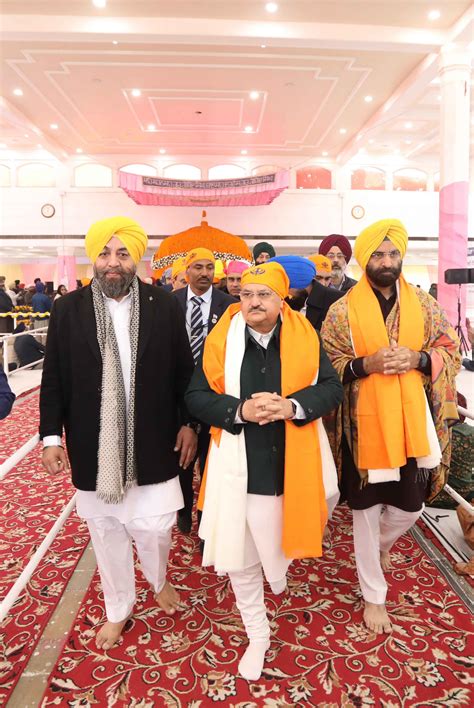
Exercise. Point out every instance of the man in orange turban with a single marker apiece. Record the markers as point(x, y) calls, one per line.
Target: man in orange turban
point(323, 268)
point(397, 356)
point(178, 274)
point(117, 364)
point(263, 496)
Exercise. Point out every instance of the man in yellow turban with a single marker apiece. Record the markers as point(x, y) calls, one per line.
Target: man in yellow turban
point(202, 305)
point(397, 356)
point(178, 274)
point(263, 496)
point(117, 365)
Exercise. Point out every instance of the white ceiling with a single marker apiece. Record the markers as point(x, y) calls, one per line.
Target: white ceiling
point(195, 63)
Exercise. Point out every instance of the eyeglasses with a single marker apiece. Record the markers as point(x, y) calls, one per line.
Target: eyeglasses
point(380, 255)
point(260, 294)
point(334, 256)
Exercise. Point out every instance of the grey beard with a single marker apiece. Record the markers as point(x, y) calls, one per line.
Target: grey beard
point(114, 288)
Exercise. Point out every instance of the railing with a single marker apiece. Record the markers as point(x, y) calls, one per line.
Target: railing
point(5, 340)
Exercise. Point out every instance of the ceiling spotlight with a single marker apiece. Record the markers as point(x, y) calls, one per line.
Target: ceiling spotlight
point(99, 3)
point(248, 129)
point(26, 135)
point(408, 125)
point(54, 126)
point(263, 46)
point(162, 151)
point(151, 126)
point(254, 95)
point(408, 142)
point(114, 41)
point(325, 153)
point(38, 145)
point(434, 15)
point(368, 99)
point(243, 152)
point(136, 92)
point(17, 92)
point(79, 150)
point(439, 97)
point(271, 7)
point(372, 141)
point(343, 131)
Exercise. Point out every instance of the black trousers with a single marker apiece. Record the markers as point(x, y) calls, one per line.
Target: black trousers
point(186, 475)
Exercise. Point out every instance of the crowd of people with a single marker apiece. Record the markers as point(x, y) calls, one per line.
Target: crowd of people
point(279, 391)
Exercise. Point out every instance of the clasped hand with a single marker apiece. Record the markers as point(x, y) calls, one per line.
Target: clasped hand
point(392, 360)
point(264, 408)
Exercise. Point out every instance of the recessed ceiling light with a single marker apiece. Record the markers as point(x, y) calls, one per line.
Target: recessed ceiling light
point(439, 97)
point(408, 125)
point(151, 126)
point(114, 41)
point(136, 92)
point(263, 46)
point(368, 99)
point(243, 152)
point(248, 128)
point(79, 150)
point(271, 7)
point(434, 15)
point(99, 3)
point(26, 135)
point(372, 141)
point(2, 145)
point(397, 151)
point(408, 142)
point(54, 126)
point(162, 151)
point(325, 153)
point(39, 145)
point(254, 95)
point(17, 92)
point(343, 131)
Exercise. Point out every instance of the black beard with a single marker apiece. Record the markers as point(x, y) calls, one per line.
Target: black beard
point(297, 302)
point(118, 286)
point(385, 278)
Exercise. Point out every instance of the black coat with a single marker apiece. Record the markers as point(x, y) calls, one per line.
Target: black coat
point(72, 376)
point(220, 301)
point(318, 303)
point(7, 397)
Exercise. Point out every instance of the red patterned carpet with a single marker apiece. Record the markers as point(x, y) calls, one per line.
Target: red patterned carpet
point(20, 426)
point(321, 654)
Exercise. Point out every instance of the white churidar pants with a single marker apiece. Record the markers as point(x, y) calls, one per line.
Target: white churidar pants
point(374, 532)
point(263, 535)
point(112, 542)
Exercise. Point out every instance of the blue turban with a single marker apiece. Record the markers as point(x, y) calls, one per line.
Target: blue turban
point(300, 271)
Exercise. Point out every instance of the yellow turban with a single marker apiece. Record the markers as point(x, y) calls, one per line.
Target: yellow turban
point(178, 267)
point(271, 274)
point(219, 271)
point(370, 239)
point(322, 263)
point(199, 254)
point(128, 231)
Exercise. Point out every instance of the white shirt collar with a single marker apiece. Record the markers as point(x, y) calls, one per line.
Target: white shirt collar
point(110, 300)
point(262, 339)
point(207, 296)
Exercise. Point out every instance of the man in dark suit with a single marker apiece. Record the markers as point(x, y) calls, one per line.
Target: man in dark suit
point(116, 369)
point(27, 348)
point(203, 306)
point(7, 397)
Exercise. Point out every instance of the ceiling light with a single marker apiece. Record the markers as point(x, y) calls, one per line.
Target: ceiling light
point(17, 92)
point(248, 128)
point(162, 151)
point(136, 92)
point(372, 141)
point(263, 46)
point(151, 126)
point(343, 131)
point(368, 99)
point(271, 7)
point(434, 15)
point(114, 41)
point(26, 135)
point(254, 95)
point(99, 3)
point(79, 150)
point(54, 126)
point(243, 152)
point(325, 153)
point(408, 125)
point(3, 145)
point(408, 142)
point(38, 145)
point(439, 97)
point(397, 151)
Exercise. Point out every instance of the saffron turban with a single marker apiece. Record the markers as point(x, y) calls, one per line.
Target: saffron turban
point(263, 247)
point(128, 231)
point(336, 240)
point(370, 239)
point(323, 264)
point(270, 274)
point(199, 254)
point(300, 271)
point(178, 267)
point(236, 267)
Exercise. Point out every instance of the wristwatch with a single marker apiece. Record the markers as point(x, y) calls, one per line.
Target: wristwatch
point(194, 425)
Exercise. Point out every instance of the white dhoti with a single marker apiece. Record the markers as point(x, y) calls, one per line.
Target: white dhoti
point(375, 532)
point(146, 515)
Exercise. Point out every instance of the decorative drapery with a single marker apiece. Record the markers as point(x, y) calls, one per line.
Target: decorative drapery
point(248, 191)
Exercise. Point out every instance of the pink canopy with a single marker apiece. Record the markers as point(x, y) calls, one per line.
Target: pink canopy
point(248, 191)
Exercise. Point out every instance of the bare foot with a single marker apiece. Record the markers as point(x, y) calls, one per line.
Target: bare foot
point(109, 634)
point(376, 618)
point(385, 561)
point(167, 598)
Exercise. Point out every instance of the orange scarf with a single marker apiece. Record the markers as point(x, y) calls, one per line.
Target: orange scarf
point(391, 410)
point(304, 503)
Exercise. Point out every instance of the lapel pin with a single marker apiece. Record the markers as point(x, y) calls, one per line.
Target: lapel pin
point(151, 297)
point(214, 319)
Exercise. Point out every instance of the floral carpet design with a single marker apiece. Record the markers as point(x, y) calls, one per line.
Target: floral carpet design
point(19, 426)
point(320, 655)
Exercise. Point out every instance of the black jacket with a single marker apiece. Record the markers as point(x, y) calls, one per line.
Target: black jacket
point(28, 349)
point(318, 303)
point(72, 375)
point(220, 301)
point(7, 397)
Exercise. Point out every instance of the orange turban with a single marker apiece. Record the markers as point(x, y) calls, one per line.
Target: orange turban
point(178, 267)
point(127, 230)
point(323, 264)
point(370, 239)
point(271, 274)
point(199, 254)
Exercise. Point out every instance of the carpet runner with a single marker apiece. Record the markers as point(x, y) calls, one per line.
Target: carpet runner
point(321, 653)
